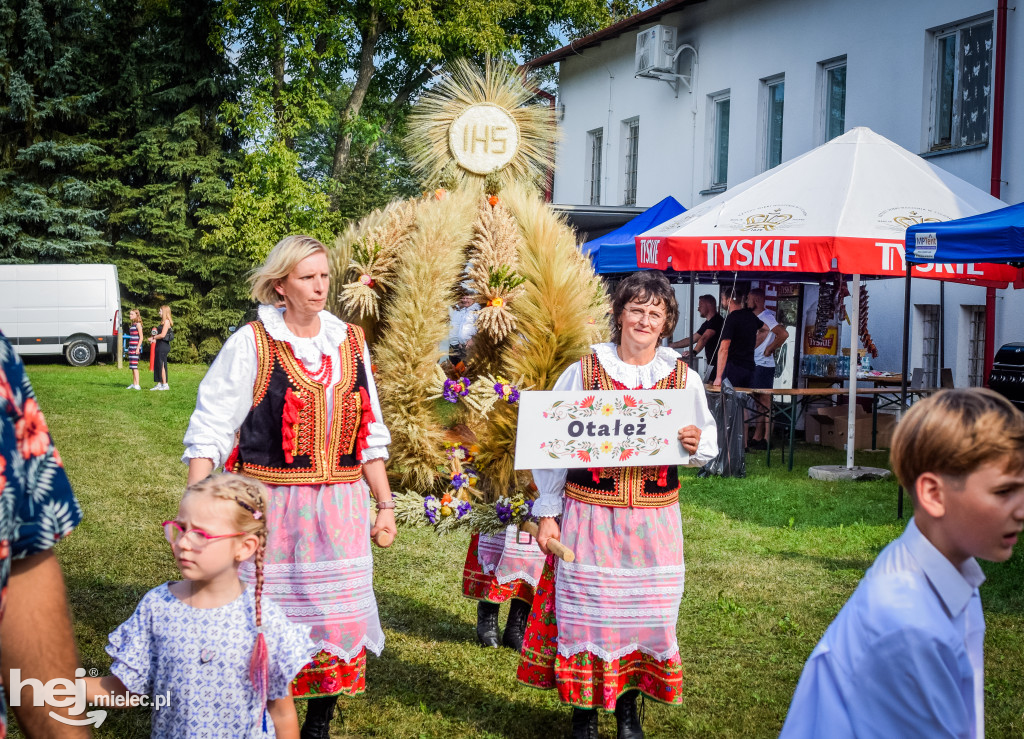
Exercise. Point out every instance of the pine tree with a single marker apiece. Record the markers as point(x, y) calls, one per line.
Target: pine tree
point(47, 101)
point(167, 165)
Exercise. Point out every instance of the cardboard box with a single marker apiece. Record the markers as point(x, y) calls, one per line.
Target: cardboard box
point(812, 425)
point(832, 423)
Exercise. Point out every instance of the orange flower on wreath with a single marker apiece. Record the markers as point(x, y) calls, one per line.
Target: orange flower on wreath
point(31, 431)
point(495, 303)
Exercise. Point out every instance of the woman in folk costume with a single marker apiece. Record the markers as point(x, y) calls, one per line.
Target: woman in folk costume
point(502, 568)
point(296, 385)
point(603, 628)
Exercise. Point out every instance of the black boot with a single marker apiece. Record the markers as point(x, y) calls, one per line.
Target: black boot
point(487, 623)
point(584, 723)
point(319, 712)
point(627, 716)
point(515, 626)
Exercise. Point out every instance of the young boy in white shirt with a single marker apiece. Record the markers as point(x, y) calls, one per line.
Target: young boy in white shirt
point(904, 656)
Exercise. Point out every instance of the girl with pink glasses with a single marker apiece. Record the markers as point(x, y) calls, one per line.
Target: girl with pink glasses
point(218, 656)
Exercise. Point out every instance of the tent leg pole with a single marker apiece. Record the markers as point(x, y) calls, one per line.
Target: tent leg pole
point(904, 369)
point(990, 332)
point(691, 331)
point(851, 413)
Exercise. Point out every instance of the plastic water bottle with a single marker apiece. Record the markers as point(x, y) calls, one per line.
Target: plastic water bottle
point(865, 362)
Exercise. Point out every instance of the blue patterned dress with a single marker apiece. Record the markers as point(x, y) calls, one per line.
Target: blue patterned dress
point(198, 658)
point(37, 507)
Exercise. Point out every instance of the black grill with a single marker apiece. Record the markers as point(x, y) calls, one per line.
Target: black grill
point(1007, 376)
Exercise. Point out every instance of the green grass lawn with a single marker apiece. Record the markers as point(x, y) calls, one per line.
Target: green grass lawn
point(770, 560)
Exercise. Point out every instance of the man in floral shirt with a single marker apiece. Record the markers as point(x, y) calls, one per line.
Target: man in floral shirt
point(37, 508)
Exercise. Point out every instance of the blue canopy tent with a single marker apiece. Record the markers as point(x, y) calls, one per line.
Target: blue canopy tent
point(996, 236)
point(616, 251)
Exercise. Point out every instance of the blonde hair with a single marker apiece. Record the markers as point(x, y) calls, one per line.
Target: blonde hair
point(956, 431)
point(250, 499)
point(165, 315)
point(134, 316)
point(282, 259)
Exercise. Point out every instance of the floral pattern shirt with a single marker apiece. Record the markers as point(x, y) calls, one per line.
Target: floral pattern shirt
point(197, 659)
point(37, 507)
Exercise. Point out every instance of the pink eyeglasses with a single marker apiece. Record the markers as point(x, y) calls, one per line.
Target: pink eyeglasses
point(175, 533)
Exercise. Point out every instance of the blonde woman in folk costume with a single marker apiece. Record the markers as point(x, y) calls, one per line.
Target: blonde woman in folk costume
point(602, 629)
point(296, 385)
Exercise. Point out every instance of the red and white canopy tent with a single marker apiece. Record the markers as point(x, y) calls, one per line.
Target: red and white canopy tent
point(840, 208)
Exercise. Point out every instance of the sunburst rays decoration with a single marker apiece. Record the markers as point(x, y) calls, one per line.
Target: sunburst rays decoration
point(496, 128)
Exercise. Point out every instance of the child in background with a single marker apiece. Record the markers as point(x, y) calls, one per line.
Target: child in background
point(134, 343)
point(224, 657)
point(904, 656)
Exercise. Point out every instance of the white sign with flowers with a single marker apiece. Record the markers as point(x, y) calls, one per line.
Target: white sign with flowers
point(609, 428)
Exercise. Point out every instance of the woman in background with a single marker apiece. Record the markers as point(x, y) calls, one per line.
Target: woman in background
point(163, 347)
point(134, 345)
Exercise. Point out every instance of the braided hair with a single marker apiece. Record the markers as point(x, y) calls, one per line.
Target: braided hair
point(250, 497)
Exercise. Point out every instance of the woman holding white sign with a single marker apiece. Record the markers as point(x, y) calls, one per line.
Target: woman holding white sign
point(602, 629)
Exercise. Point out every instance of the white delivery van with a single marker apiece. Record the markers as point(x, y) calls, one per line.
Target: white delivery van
point(69, 309)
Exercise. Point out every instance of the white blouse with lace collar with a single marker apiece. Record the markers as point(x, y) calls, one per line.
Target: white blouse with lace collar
point(225, 394)
point(634, 376)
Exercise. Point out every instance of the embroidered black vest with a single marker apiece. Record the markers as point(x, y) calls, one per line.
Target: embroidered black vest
point(281, 440)
point(625, 487)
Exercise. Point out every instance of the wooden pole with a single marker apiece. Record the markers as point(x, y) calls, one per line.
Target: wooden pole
point(554, 545)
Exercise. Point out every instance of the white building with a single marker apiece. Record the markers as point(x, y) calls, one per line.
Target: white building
point(757, 82)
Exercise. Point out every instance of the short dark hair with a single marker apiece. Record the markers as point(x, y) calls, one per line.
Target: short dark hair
point(708, 299)
point(645, 287)
point(731, 294)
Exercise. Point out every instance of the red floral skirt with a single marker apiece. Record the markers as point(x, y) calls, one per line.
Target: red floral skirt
point(330, 675)
point(478, 585)
point(583, 680)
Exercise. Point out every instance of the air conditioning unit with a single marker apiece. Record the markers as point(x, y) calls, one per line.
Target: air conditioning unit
point(655, 49)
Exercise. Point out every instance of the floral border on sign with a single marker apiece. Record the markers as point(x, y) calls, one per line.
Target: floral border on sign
point(593, 451)
point(627, 406)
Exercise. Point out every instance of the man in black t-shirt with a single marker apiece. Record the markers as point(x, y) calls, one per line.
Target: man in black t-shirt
point(708, 335)
point(739, 339)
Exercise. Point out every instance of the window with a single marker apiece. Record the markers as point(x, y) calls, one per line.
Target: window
point(832, 99)
point(595, 144)
point(773, 93)
point(961, 85)
point(975, 345)
point(720, 134)
point(632, 149)
point(930, 344)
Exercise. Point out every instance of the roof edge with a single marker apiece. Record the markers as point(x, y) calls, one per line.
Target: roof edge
point(616, 29)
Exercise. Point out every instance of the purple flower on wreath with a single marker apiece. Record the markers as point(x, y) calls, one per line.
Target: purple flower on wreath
point(455, 389)
point(460, 481)
point(431, 507)
point(506, 390)
point(462, 509)
point(503, 509)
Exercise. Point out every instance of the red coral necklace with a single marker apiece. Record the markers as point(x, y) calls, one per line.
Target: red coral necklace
point(323, 373)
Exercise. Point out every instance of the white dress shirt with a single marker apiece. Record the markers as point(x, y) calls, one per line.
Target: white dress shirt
point(225, 394)
point(904, 656)
point(551, 483)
